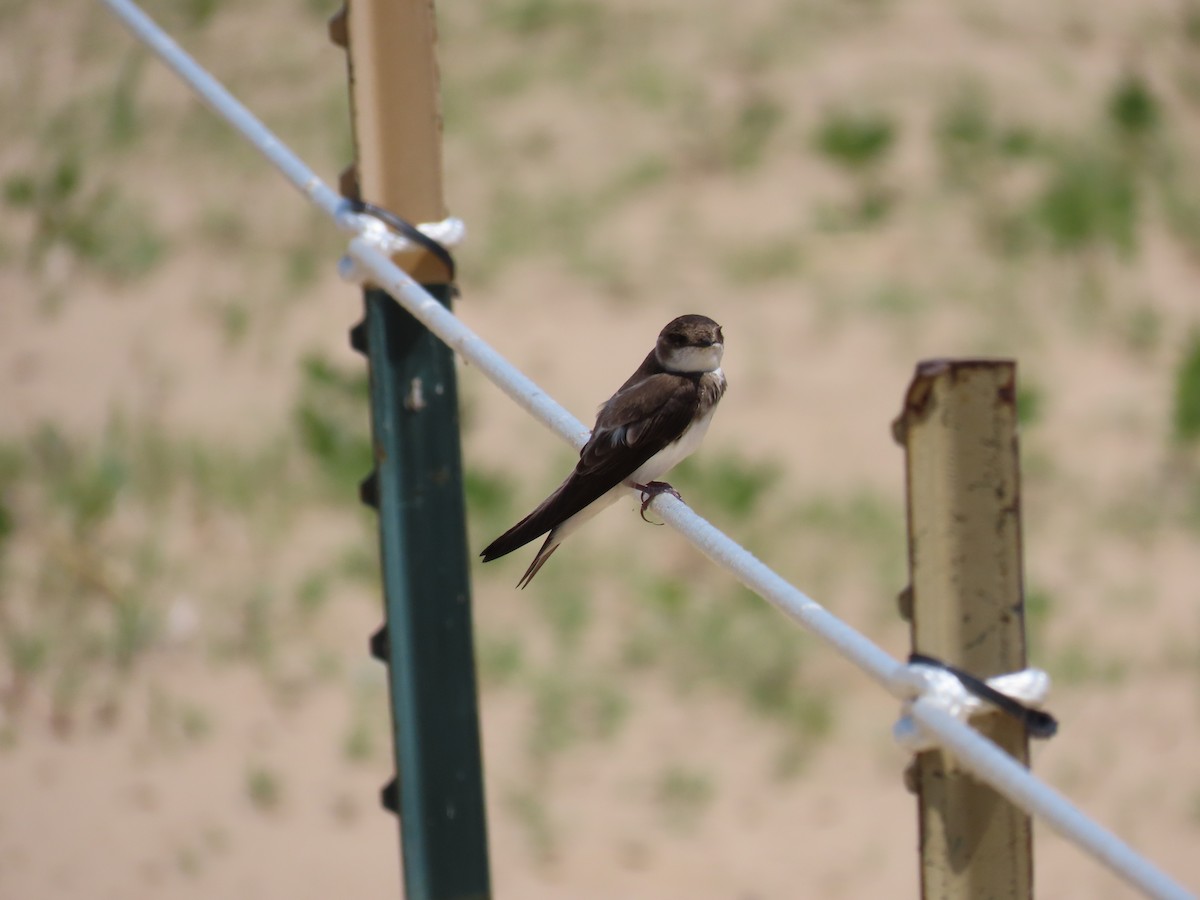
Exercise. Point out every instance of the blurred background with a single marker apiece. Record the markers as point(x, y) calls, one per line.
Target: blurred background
point(187, 581)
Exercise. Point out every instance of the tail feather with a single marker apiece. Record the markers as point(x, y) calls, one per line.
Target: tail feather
point(548, 548)
point(530, 528)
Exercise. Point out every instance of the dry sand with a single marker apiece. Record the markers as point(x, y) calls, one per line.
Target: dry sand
point(121, 805)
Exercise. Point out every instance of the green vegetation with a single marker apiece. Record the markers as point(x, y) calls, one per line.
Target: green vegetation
point(855, 140)
point(859, 143)
point(730, 486)
point(332, 421)
point(1079, 662)
point(963, 133)
point(100, 567)
point(1096, 186)
point(500, 659)
point(1039, 608)
point(731, 642)
point(264, 788)
point(187, 16)
point(124, 117)
point(96, 224)
point(1030, 402)
point(175, 722)
point(683, 795)
point(1133, 109)
point(1185, 417)
point(758, 119)
point(528, 807)
point(534, 17)
point(1089, 200)
point(567, 613)
point(764, 262)
point(970, 142)
point(366, 731)
point(490, 499)
point(568, 710)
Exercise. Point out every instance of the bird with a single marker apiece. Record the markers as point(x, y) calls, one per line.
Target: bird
point(655, 419)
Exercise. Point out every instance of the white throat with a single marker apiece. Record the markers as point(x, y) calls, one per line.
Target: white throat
point(693, 359)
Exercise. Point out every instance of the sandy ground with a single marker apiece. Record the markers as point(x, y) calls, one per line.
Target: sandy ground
point(128, 800)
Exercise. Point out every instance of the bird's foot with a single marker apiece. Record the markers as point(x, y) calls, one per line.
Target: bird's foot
point(652, 489)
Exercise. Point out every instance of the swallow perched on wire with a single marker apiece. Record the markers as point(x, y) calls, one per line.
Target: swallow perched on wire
point(656, 419)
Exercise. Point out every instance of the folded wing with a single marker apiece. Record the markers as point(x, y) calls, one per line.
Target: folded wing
point(632, 426)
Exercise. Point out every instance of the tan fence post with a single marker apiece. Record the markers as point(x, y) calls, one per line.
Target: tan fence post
point(965, 603)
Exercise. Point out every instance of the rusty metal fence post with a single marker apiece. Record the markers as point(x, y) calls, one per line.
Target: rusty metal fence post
point(965, 603)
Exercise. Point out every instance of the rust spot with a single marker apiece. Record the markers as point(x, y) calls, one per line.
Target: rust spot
point(1007, 392)
point(338, 33)
point(916, 398)
point(920, 389)
point(348, 185)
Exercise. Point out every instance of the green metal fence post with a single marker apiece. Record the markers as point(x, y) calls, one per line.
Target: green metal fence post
point(417, 484)
point(427, 639)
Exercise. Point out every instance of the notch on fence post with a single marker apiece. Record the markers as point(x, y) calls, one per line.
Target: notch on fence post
point(966, 606)
point(417, 484)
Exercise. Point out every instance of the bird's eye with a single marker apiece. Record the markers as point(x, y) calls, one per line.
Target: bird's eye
point(677, 339)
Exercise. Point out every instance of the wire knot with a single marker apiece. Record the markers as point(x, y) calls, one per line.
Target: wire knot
point(962, 695)
point(390, 234)
point(449, 232)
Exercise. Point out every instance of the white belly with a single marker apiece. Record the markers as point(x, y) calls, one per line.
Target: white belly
point(567, 528)
point(651, 470)
point(672, 455)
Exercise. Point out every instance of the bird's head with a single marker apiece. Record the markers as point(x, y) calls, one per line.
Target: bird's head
point(690, 343)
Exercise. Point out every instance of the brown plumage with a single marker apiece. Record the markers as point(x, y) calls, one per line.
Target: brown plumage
point(656, 418)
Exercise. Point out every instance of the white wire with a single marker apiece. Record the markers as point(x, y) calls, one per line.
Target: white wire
point(983, 757)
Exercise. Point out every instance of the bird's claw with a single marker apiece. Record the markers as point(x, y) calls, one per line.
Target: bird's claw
point(652, 489)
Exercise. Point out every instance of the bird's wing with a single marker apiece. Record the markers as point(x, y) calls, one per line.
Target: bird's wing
point(632, 426)
point(635, 424)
